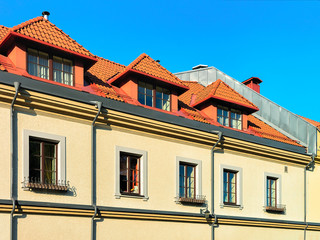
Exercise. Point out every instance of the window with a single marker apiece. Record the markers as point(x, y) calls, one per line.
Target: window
point(154, 96)
point(38, 63)
point(131, 173)
point(229, 118)
point(189, 181)
point(44, 161)
point(50, 67)
point(229, 186)
point(62, 70)
point(273, 194)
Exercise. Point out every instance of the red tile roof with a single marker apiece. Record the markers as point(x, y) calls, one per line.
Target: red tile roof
point(261, 129)
point(314, 123)
point(41, 29)
point(146, 65)
point(3, 31)
point(194, 88)
point(221, 90)
point(104, 69)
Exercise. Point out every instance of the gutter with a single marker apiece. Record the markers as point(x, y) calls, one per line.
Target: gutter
point(307, 167)
point(17, 87)
point(93, 168)
point(212, 182)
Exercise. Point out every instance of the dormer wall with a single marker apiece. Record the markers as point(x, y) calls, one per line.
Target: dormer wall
point(18, 54)
point(130, 87)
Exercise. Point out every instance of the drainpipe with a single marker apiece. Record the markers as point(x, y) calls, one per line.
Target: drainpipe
point(17, 87)
point(93, 184)
point(212, 181)
point(305, 195)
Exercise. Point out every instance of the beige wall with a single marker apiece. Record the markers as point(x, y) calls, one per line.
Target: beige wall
point(253, 186)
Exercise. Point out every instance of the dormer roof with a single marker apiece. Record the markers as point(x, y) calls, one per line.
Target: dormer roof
point(145, 65)
point(220, 91)
point(42, 30)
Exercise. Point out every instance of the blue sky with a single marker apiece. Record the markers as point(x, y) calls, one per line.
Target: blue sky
point(277, 41)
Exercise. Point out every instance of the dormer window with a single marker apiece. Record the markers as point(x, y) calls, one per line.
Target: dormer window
point(229, 117)
point(43, 65)
point(62, 70)
point(154, 96)
point(38, 63)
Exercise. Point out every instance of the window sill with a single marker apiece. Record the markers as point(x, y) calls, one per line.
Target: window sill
point(118, 196)
point(199, 200)
point(223, 205)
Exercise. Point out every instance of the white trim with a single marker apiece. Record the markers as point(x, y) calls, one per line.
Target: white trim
point(143, 176)
point(60, 140)
point(239, 200)
point(279, 187)
point(198, 165)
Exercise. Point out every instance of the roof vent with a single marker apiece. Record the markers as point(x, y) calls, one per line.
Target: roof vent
point(158, 61)
point(45, 14)
point(199, 66)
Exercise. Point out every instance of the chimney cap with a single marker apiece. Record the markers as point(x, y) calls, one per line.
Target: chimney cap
point(45, 14)
point(199, 66)
point(255, 80)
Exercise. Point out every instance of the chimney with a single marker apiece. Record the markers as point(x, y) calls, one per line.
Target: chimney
point(45, 14)
point(199, 66)
point(253, 83)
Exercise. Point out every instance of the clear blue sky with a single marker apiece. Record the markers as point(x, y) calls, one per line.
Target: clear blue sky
point(277, 41)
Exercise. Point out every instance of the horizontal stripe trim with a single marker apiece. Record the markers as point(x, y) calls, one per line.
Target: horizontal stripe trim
point(77, 210)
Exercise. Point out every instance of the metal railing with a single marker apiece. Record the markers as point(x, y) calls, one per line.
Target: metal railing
point(37, 183)
point(197, 199)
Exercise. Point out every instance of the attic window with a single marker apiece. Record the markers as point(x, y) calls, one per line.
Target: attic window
point(48, 66)
point(154, 96)
point(229, 117)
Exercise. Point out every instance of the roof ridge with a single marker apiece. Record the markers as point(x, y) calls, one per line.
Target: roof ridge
point(26, 23)
point(215, 88)
point(136, 61)
point(104, 59)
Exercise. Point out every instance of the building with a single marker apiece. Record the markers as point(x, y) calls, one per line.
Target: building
point(92, 149)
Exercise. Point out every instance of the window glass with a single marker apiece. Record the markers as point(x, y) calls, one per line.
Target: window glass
point(232, 118)
point(187, 181)
point(129, 174)
point(271, 192)
point(62, 70)
point(42, 162)
point(229, 186)
point(38, 63)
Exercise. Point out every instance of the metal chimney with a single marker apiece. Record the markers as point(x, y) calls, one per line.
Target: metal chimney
point(45, 14)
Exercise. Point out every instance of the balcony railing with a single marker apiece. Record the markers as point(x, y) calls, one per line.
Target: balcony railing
point(198, 199)
point(278, 208)
point(36, 184)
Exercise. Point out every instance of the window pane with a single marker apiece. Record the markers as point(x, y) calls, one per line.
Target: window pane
point(149, 100)
point(142, 98)
point(159, 103)
point(149, 89)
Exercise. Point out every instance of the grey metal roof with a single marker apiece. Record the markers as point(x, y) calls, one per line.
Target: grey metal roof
point(271, 113)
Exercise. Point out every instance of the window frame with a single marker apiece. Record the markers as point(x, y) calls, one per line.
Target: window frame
point(230, 110)
point(129, 174)
point(228, 171)
point(143, 193)
point(198, 175)
point(154, 95)
point(60, 155)
point(239, 186)
point(278, 178)
point(51, 56)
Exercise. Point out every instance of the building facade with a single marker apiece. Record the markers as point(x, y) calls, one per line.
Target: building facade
point(93, 149)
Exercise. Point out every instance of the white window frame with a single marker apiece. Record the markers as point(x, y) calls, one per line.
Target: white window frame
point(143, 172)
point(198, 166)
point(239, 200)
point(61, 148)
point(279, 187)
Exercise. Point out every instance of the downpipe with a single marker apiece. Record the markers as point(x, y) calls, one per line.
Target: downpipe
point(17, 87)
point(93, 184)
point(305, 196)
point(212, 182)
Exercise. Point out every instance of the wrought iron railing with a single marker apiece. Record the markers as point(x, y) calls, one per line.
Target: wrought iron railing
point(36, 183)
point(279, 208)
point(198, 199)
